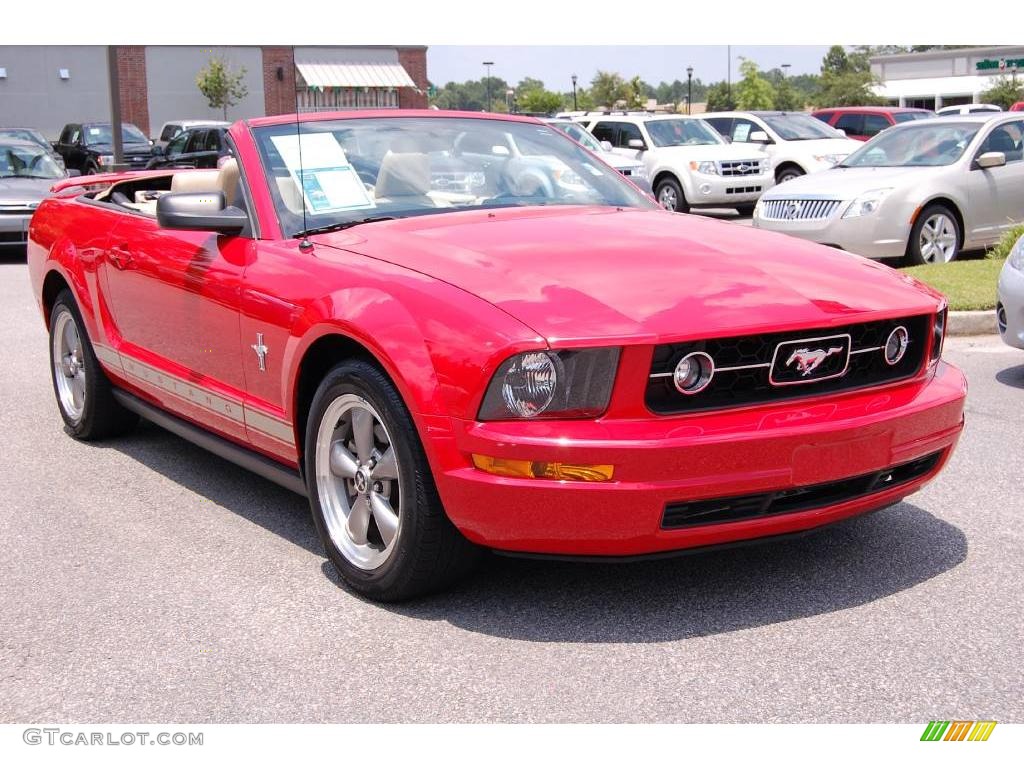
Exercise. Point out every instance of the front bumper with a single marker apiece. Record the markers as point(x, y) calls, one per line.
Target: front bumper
point(1010, 306)
point(14, 228)
point(726, 191)
point(872, 236)
point(663, 461)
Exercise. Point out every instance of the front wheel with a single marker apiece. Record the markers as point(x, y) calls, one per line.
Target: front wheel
point(371, 491)
point(670, 195)
point(935, 237)
point(788, 173)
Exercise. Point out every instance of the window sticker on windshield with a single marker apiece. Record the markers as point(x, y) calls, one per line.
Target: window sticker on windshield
point(741, 132)
point(94, 131)
point(327, 179)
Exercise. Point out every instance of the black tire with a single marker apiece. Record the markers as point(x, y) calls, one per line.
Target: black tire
point(787, 172)
point(747, 209)
point(428, 553)
point(915, 251)
point(667, 190)
point(101, 415)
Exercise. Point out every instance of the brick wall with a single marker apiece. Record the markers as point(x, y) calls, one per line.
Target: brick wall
point(414, 61)
point(131, 76)
point(278, 95)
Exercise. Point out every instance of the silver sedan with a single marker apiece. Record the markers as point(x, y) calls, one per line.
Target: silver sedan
point(924, 190)
point(1010, 302)
point(27, 171)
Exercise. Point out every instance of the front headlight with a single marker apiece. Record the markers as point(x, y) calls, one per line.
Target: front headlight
point(866, 203)
point(571, 383)
point(830, 159)
point(105, 160)
point(707, 167)
point(1016, 257)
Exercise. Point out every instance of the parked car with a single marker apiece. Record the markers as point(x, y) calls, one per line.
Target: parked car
point(795, 142)
point(862, 123)
point(1018, 107)
point(1010, 297)
point(968, 109)
point(88, 147)
point(171, 129)
point(633, 169)
point(27, 171)
point(924, 190)
point(687, 163)
point(564, 371)
point(19, 133)
point(201, 147)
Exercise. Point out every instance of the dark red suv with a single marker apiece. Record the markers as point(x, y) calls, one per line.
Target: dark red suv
point(862, 123)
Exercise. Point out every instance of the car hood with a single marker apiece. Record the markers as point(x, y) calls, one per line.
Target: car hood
point(128, 149)
point(24, 190)
point(618, 162)
point(848, 183)
point(586, 273)
point(837, 146)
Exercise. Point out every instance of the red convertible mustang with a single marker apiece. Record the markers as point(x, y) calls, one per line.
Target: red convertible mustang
point(458, 331)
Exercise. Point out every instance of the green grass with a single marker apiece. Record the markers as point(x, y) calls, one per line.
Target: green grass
point(969, 283)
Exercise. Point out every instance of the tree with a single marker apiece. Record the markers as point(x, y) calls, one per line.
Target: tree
point(1006, 92)
point(846, 78)
point(221, 86)
point(539, 100)
point(787, 98)
point(753, 91)
point(718, 98)
point(608, 88)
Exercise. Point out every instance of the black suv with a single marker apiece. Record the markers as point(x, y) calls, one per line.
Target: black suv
point(88, 147)
point(196, 147)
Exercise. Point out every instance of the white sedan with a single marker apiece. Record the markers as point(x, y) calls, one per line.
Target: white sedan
point(924, 190)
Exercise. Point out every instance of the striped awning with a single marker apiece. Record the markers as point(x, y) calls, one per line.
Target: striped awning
point(351, 68)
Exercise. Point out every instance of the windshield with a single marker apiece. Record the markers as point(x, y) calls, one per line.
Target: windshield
point(393, 167)
point(24, 134)
point(679, 132)
point(938, 143)
point(29, 161)
point(102, 134)
point(800, 127)
point(580, 135)
point(906, 117)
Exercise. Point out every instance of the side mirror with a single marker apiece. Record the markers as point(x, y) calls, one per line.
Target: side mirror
point(636, 144)
point(758, 137)
point(606, 146)
point(991, 160)
point(73, 172)
point(841, 131)
point(199, 212)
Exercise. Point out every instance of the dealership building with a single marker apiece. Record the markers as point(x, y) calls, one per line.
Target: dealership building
point(938, 78)
point(45, 87)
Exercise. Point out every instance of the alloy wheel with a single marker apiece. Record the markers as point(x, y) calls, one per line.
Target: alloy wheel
point(938, 239)
point(358, 482)
point(667, 198)
point(69, 365)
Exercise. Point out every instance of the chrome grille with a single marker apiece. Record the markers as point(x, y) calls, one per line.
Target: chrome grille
point(18, 207)
point(739, 167)
point(798, 210)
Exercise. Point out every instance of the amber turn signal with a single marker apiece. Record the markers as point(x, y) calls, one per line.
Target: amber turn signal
point(546, 470)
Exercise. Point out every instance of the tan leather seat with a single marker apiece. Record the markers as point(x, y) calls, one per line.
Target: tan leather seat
point(404, 177)
point(227, 180)
point(196, 181)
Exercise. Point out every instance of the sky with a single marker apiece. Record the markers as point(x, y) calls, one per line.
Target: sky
point(654, 63)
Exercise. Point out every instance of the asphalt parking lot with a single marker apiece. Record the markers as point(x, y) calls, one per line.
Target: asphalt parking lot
point(146, 580)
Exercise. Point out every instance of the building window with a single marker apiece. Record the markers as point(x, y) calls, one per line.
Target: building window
point(332, 99)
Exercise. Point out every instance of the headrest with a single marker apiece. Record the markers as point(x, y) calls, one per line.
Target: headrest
point(196, 181)
point(227, 180)
point(403, 174)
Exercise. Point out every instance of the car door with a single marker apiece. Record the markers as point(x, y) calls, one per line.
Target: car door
point(175, 149)
point(174, 297)
point(997, 194)
point(852, 124)
point(71, 147)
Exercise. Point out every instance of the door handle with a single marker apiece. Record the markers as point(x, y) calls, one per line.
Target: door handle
point(120, 257)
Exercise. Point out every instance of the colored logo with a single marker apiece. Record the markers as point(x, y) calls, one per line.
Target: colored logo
point(958, 730)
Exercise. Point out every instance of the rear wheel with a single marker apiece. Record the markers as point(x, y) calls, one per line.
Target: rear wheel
point(669, 195)
point(84, 394)
point(935, 237)
point(372, 493)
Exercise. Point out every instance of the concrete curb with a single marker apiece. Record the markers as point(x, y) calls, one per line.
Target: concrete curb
point(975, 323)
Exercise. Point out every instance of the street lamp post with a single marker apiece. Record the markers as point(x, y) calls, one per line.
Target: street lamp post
point(689, 88)
point(574, 107)
point(510, 100)
point(488, 64)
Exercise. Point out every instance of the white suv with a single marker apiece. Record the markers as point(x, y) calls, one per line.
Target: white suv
point(796, 142)
point(687, 163)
